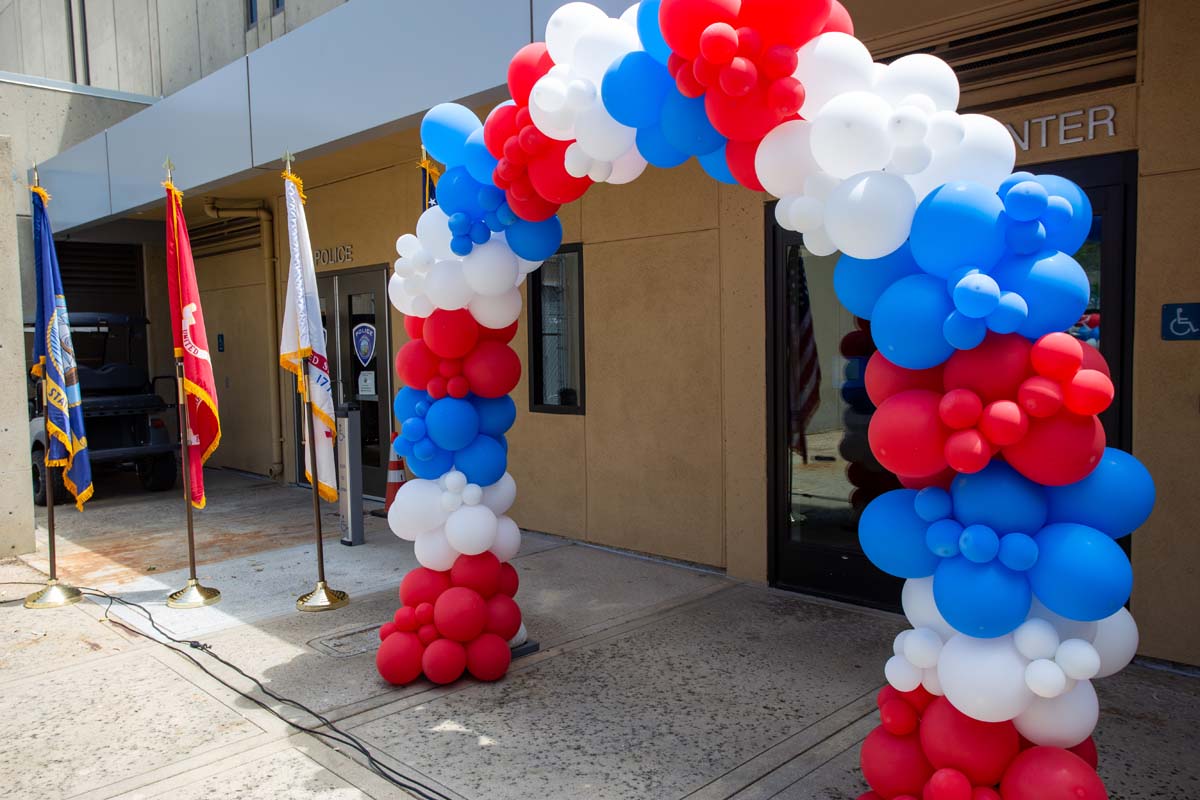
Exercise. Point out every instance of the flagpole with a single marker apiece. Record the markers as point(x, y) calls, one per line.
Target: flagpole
point(322, 598)
point(193, 594)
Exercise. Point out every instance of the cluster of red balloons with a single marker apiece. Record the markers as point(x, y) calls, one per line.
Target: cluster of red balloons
point(451, 622)
point(530, 167)
point(1036, 405)
point(740, 55)
point(926, 749)
point(452, 354)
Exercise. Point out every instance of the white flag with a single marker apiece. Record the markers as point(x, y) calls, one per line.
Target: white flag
point(304, 338)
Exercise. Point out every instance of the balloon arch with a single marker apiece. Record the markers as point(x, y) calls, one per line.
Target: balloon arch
point(961, 269)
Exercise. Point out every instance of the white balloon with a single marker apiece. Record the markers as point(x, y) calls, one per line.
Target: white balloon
point(527, 267)
point(1045, 678)
point(629, 15)
point(600, 171)
point(870, 215)
point(575, 161)
point(601, 136)
point(454, 481)
point(521, 637)
point(850, 135)
point(627, 168)
point(407, 245)
point(909, 159)
point(919, 73)
point(922, 648)
point(396, 294)
point(490, 268)
point(417, 508)
point(508, 540)
point(497, 311)
point(944, 129)
point(434, 552)
point(920, 609)
point(784, 158)
point(829, 65)
point(986, 155)
point(404, 267)
point(1078, 659)
point(471, 529)
point(414, 285)
point(446, 286)
point(420, 306)
point(500, 496)
point(581, 93)
point(1036, 638)
point(898, 642)
point(818, 243)
point(433, 229)
point(908, 125)
point(929, 679)
point(1062, 721)
point(984, 678)
point(556, 123)
point(1067, 628)
point(600, 45)
point(472, 493)
point(1116, 641)
point(566, 25)
point(820, 186)
point(903, 676)
point(549, 94)
point(451, 501)
point(921, 101)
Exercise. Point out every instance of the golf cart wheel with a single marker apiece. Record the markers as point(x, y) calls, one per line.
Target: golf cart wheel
point(158, 473)
point(39, 480)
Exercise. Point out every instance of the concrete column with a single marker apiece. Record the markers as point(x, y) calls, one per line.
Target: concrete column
point(16, 496)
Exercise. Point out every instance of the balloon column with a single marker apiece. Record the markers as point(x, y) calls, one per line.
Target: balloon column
point(962, 274)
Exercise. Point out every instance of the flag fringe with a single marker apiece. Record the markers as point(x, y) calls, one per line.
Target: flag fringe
point(288, 175)
point(42, 193)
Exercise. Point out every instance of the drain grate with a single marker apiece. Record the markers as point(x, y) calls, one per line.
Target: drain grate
point(348, 643)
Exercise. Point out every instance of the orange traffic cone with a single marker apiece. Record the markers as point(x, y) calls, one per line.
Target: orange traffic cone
point(396, 478)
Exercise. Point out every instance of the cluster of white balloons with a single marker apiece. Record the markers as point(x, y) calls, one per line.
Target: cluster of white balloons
point(565, 103)
point(449, 517)
point(429, 275)
point(875, 139)
point(1039, 676)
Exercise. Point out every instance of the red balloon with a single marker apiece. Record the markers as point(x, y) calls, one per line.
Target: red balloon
point(428, 633)
point(919, 698)
point(424, 611)
point(687, 83)
point(785, 22)
point(739, 156)
point(1059, 450)
point(386, 630)
point(503, 335)
point(960, 408)
point(839, 20)
point(945, 784)
point(779, 62)
point(907, 436)
point(993, 370)
point(458, 387)
point(1087, 751)
point(705, 72)
point(898, 717)
point(1040, 397)
point(942, 480)
point(460, 614)
point(509, 581)
point(719, 43)
point(405, 620)
point(884, 379)
point(414, 326)
point(488, 657)
point(1003, 422)
point(451, 334)
point(894, 765)
point(1058, 356)
point(1049, 773)
point(550, 178)
point(444, 661)
point(967, 451)
point(739, 77)
point(499, 126)
point(416, 364)
point(532, 141)
point(504, 617)
point(870, 796)
point(745, 118)
point(493, 369)
point(1094, 359)
point(531, 208)
point(530, 63)
point(480, 572)
point(398, 659)
point(985, 793)
point(1088, 392)
point(979, 750)
point(785, 96)
point(683, 21)
point(436, 387)
point(423, 585)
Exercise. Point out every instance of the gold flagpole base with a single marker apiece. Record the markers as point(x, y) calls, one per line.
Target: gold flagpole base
point(193, 596)
point(53, 595)
point(322, 598)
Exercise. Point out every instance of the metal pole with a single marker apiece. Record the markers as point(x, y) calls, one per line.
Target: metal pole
point(322, 598)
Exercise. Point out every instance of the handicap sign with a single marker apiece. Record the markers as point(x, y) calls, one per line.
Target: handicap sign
point(363, 336)
point(1181, 322)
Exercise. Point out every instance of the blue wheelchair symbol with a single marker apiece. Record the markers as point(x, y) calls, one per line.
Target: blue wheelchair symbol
point(1181, 322)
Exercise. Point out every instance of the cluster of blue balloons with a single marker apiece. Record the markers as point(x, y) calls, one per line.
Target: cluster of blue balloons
point(996, 540)
point(975, 261)
point(476, 207)
point(466, 434)
point(639, 92)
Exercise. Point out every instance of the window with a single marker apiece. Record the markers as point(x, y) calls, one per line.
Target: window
point(251, 13)
point(556, 333)
point(276, 6)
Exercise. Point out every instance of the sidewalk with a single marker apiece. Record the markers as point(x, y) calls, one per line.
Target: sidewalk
point(654, 681)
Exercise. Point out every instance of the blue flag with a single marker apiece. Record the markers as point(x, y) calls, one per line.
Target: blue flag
point(54, 362)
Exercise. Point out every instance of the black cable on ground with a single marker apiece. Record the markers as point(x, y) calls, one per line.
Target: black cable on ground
point(391, 775)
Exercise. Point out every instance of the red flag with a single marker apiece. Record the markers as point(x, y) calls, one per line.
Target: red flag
point(191, 344)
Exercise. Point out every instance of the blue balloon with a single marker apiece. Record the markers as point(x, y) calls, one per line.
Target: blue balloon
point(1025, 201)
point(1001, 498)
point(483, 461)
point(907, 322)
point(859, 283)
point(1025, 238)
point(942, 538)
point(478, 161)
point(444, 132)
point(496, 414)
point(960, 224)
point(490, 198)
point(1115, 498)
point(1067, 234)
point(933, 503)
point(458, 192)
point(634, 89)
point(534, 241)
point(893, 536)
point(1013, 180)
point(435, 466)
point(1009, 314)
point(461, 245)
point(405, 404)
point(685, 125)
point(717, 166)
point(979, 543)
point(1018, 551)
point(963, 332)
point(981, 600)
point(1081, 573)
point(976, 295)
point(1053, 285)
point(459, 224)
point(480, 233)
point(506, 215)
point(414, 429)
point(649, 31)
point(452, 423)
point(403, 447)
point(655, 148)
